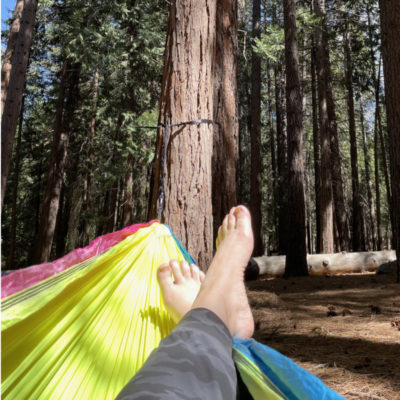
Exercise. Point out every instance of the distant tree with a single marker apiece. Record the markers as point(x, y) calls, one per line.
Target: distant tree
point(255, 135)
point(358, 239)
point(326, 193)
point(296, 251)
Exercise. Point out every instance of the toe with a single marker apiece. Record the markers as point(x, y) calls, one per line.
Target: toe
point(224, 226)
point(202, 276)
point(243, 219)
point(164, 276)
point(195, 272)
point(231, 221)
point(176, 271)
point(185, 269)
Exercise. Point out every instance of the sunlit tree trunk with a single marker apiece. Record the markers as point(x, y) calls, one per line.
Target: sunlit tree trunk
point(8, 54)
point(187, 95)
point(12, 105)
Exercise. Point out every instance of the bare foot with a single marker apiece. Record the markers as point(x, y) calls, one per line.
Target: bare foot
point(179, 286)
point(223, 290)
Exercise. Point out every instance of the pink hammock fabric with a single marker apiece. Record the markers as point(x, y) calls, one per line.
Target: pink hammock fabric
point(26, 277)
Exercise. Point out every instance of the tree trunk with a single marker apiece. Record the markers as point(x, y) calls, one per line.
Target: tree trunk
point(371, 212)
point(281, 159)
point(13, 229)
point(273, 160)
point(87, 203)
point(316, 141)
point(12, 105)
point(256, 163)
point(358, 241)
point(296, 252)
point(326, 193)
point(226, 127)
point(327, 264)
point(127, 198)
point(187, 95)
point(390, 31)
point(8, 54)
point(62, 130)
point(376, 81)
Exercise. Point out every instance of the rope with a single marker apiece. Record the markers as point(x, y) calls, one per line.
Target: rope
point(167, 127)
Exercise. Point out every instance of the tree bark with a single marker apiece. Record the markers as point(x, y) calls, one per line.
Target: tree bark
point(296, 252)
point(327, 264)
point(226, 128)
point(256, 163)
point(326, 193)
point(62, 130)
point(358, 240)
point(8, 54)
point(12, 105)
point(187, 95)
point(390, 31)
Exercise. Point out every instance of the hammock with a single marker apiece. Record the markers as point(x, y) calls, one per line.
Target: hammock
point(84, 331)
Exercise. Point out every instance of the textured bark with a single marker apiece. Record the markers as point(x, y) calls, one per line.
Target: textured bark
point(226, 128)
point(187, 94)
point(316, 149)
point(326, 193)
point(62, 128)
point(16, 87)
point(8, 54)
point(256, 162)
point(390, 31)
point(358, 240)
point(13, 229)
point(296, 252)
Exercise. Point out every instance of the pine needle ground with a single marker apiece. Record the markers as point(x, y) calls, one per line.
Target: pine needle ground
point(341, 328)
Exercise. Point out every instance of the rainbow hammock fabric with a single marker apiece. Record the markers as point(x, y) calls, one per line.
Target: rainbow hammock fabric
point(84, 331)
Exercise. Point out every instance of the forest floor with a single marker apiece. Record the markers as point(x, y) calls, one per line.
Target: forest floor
point(356, 350)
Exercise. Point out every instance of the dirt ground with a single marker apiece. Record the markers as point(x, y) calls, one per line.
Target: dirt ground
point(355, 350)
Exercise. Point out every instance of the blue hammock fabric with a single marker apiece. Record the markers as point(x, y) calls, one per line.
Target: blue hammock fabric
point(293, 381)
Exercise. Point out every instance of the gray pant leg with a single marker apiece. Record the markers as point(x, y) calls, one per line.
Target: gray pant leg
point(193, 362)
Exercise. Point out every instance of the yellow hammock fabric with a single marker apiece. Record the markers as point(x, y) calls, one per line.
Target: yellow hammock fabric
point(83, 333)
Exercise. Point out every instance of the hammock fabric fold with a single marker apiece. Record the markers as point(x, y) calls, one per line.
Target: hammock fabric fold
point(26, 277)
point(85, 331)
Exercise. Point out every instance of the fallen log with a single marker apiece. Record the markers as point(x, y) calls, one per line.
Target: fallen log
point(327, 264)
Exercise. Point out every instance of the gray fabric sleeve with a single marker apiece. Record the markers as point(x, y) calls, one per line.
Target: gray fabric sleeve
point(193, 362)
